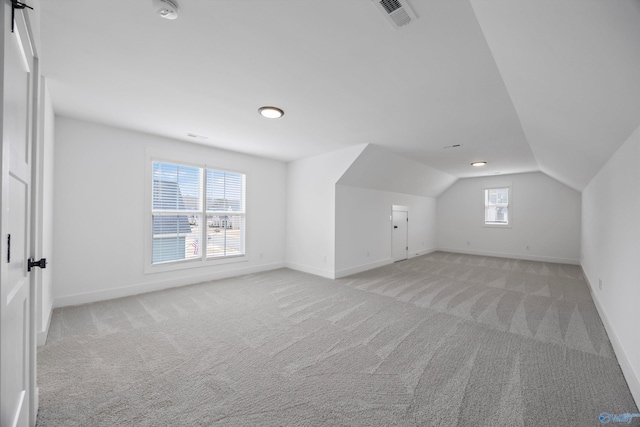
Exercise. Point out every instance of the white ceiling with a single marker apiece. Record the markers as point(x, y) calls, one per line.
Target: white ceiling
point(525, 85)
point(379, 169)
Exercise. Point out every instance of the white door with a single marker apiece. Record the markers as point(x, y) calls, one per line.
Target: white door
point(17, 357)
point(400, 235)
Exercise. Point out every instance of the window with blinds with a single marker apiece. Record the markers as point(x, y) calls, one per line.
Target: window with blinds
point(192, 205)
point(496, 206)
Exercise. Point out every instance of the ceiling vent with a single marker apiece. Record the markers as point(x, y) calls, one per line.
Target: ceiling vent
point(397, 12)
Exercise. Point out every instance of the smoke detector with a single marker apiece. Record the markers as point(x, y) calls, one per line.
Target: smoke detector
point(397, 12)
point(167, 9)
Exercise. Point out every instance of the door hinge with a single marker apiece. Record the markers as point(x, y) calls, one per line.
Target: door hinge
point(15, 4)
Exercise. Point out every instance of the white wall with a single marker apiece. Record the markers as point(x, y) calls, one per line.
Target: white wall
point(611, 252)
point(365, 194)
point(545, 216)
point(45, 278)
point(363, 227)
point(99, 212)
point(380, 169)
point(311, 192)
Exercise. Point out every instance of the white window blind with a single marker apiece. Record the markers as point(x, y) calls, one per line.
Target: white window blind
point(182, 197)
point(496, 206)
point(225, 213)
point(176, 188)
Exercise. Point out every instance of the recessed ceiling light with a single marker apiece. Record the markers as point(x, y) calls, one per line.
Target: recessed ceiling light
point(478, 163)
point(271, 112)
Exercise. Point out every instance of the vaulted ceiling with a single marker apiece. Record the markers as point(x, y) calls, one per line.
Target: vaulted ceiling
point(525, 85)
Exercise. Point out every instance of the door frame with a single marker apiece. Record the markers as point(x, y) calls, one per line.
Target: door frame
point(35, 246)
point(399, 208)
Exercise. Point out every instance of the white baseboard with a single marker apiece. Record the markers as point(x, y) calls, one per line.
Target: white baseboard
point(142, 288)
point(371, 265)
point(311, 270)
point(633, 380)
point(511, 255)
point(422, 252)
point(363, 267)
point(42, 335)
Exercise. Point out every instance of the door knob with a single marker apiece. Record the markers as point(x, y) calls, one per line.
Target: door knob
point(31, 263)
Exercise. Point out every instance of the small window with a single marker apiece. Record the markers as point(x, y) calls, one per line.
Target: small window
point(496, 206)
point(191, 205)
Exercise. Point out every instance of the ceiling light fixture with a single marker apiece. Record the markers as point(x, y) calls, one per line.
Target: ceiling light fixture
point(478, 164)
point(167, 9)
point(271, 112)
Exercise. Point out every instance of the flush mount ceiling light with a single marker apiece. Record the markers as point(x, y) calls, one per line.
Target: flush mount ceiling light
point(478, 164)
point(167, 9)
point(271, 112)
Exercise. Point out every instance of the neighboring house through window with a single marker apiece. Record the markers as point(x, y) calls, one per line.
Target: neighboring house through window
point(182, 196)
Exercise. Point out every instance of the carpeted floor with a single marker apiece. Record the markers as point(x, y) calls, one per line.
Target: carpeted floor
point(439, 340)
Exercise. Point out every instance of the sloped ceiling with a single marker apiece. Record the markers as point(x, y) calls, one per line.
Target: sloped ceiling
point(525, 85)
point(380, 169)
point(572, 69)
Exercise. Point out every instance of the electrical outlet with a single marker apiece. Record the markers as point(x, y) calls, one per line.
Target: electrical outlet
point(600, 284)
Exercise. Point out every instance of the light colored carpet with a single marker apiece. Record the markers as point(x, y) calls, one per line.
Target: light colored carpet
point(439, 340)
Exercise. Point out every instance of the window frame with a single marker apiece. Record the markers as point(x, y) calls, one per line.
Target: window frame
point(202, 260)
point(509, 206)
point(206, 212)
